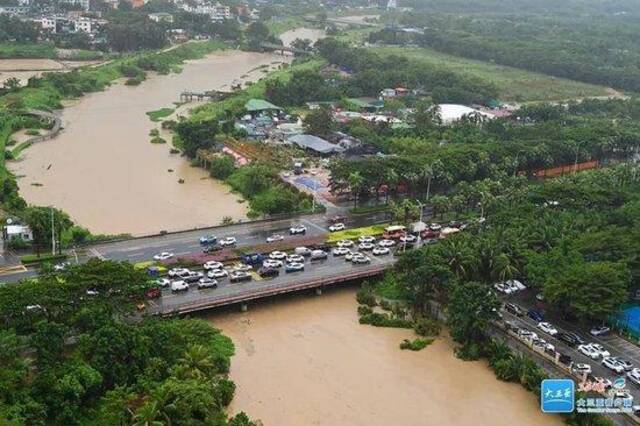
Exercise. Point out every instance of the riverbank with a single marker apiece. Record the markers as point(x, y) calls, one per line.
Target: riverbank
point(306, 360)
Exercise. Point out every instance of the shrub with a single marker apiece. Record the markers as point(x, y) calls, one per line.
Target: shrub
point(158, 139)
point(415, 345)
point(133, 81)
point(383, 320)
point(365, 297)
point(364, 310)
point(222, 167)
point(386, 305)
point(426, 327)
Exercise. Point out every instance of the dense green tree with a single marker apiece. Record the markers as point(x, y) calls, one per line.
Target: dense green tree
point(472, 306)
point(319, 122)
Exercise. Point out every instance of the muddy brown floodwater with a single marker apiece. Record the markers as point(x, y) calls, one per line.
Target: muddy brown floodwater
point(305, 360)
point(312, 34)
point(105, 173)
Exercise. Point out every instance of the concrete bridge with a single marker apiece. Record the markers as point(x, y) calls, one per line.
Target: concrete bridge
point(212, 95)
point(317, 275)
point(280, 48)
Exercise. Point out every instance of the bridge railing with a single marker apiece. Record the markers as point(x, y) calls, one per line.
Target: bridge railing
point(271, 290)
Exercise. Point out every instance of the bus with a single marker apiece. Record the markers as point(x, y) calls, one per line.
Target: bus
point(394, 232)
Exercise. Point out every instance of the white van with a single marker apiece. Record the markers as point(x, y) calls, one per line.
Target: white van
point(177, 286)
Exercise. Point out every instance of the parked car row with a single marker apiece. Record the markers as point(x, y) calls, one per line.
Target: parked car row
point(509, 286)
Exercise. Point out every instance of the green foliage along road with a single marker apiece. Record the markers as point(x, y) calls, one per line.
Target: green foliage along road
point(73, 352)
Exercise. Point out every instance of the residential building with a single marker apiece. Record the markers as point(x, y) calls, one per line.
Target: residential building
point(86, 25)
point(13, 10)
point(47, 23)
point(84, 4)
point(16, 231)
point(161, 17)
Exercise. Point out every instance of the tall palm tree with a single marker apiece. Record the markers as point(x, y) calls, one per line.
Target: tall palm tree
point(356, 180)
point(148, 415)
point(196, 362)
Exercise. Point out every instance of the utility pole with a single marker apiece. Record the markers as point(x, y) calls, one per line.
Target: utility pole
point(429, 171)
point(53, 234)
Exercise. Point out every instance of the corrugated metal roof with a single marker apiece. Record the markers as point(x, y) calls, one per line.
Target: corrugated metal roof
point(254, 105)
point(315, 143)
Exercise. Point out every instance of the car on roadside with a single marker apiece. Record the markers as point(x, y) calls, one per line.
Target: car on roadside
point(337, 227)
point(207, 240)
point(572, 339)
point(266, 272)
point(165, 255)
point(237, 276)
point(345, 243)
point(612, 365)
point(622, 395)
point(602, 381)
point(360, 259)
point(302, 251)
point(228, 242)
point(366, 246)
point(525, 334)
point(381, 251)
point(275, 238)
point(298, 230)
point(600, 330)
point(515, 284)
point(502, 288)
point(212, 248)
point(511, 286)
point(163, 282)
point(191, 277)
point(514, 309)
point(634, 376)
point(242, 267)
point(277, 255)
point(435, 227)
point(366, 239)
point(58, 267)
point(294, 267)
point(178, 286)
point(548, 328)
point(340, 251)
point(535, 315)
point(318, 255)
point(218, 273)
point(212, 264)
point(272, 263)
point(207, 283)
point(589, 351)
point(581, 368)
point(174, 272)
point(627, 365)
point(408, 239)
point(601, 350)
point(386, 243)
point(295, 258)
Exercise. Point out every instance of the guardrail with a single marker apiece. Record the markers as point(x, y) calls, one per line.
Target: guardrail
point(272, 291)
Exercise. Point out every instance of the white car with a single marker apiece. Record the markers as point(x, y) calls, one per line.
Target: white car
point(366, 246)
point(295, 258)
point(634, 376)
point(298, 230)
point(612, 365)
point(516, 284)
point(277, 255)
point(547, 328)
point(435, 227)
point(408, 238)
point(174, 272)
point(294, 267)
point(386, 243)
point(581, 368)
point(337, 227)
point(163, 256)
point(274, 238)
point(60, 266)
point(207, 283)
point(212, 264)
point(623, 394)
point(163, 282)
point(599, 331)
point(341, 251)
point(302, 251)
point(589, 351)
point(381, 251)
point(511, 286)
point(601, 350)
point(227, 242)
point(177, 286)
point(360, 259)
point(218, 273)
point(502, 288)
point(318, 255)
point(367, 239)
point(345, 243)
point(242, 267)
point(272, 263)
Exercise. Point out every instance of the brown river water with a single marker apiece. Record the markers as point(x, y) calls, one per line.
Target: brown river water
point(105, 173)
point(305, 360)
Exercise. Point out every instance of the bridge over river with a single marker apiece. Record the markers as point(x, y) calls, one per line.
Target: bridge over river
point(332, 271)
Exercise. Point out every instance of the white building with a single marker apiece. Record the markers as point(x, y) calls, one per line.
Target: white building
point(450, 113)
point(47, 23)
point(84, 24)
point(13, 232)
point(217, 12)
point(161, 17)
point(84, 4)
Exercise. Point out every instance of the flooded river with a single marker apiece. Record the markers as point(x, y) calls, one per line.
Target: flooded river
point(302, 33)
point(105, 173)
point(305, 360)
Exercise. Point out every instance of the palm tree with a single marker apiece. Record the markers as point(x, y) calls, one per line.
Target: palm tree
point(391, 179)
point(147, 415)
point(196, 363)
point(356, 181)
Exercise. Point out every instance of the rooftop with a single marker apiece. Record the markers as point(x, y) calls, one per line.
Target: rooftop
point(255, 105)
point(315, 143)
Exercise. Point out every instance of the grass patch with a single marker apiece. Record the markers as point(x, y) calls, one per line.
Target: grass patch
point(278, 26)
point(416, 344)
point(159, 114)
point(33, 258)
point(350, 234)
point(15, 152)
point(27, 51)
point(158, 140)
point(514, 84)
